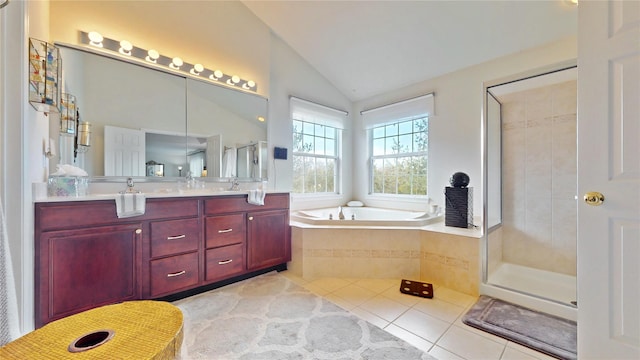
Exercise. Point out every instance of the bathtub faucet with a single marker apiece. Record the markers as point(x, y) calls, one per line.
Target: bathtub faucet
point(340, 213)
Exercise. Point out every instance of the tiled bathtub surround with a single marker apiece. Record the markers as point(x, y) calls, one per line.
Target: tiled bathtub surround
point(539, 178)
point(450, 260)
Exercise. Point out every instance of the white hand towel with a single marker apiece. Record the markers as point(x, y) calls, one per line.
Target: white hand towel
point(256, 197)
point(130, 204)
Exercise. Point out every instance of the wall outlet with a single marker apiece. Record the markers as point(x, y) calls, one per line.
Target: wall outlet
point(280, 153)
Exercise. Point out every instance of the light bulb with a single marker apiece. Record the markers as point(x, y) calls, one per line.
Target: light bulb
point(261, 118)
point(233, 80)
point(125, 47)
point(95, 39)
point(216, 75)
point(197, 69)
point(152, 56)
point(176, 63)
point(249, 85)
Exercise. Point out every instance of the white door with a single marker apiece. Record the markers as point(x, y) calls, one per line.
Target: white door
point(609, 163)
point(124, 152)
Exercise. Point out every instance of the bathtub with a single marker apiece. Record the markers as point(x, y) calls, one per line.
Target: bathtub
point(364, 216)
point(384, 244)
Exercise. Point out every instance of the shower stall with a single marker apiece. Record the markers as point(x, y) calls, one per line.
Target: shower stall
point(530, 184)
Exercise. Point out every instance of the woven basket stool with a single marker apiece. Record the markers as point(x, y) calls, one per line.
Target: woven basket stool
point(138, 329)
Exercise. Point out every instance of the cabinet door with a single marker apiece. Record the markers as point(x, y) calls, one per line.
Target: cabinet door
point(77, 270)
point(269, 239)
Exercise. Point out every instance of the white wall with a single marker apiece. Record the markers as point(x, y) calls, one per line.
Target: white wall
point(455, 131)
point(293, 76)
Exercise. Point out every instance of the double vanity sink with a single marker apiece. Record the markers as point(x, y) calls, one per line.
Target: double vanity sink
point(185, 242)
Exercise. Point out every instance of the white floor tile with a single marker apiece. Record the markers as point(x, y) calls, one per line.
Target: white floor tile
point(404, 299)
point(371, 318)
point(354, 294)
point(423, 325)
point(442, 354)
point(384, 307)
point(378, 285)
point(454, 297)
point(330, 284)
point(441, 309)
point(409, 337)
point(470, 345)
point(339, 301)
point(523, 349)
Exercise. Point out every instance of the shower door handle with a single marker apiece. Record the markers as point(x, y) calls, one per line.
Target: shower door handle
point(593, 198)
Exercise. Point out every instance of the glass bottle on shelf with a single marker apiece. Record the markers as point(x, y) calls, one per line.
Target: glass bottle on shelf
point(45, 65)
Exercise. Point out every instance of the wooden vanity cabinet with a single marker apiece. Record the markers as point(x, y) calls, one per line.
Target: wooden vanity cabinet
point(85, 256)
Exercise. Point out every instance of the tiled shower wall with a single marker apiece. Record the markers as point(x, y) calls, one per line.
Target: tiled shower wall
point(539, 178)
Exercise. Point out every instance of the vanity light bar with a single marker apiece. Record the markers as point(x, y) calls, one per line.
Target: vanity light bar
point(125, 49)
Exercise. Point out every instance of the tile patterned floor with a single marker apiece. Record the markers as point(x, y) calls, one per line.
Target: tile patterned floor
point(433, 325)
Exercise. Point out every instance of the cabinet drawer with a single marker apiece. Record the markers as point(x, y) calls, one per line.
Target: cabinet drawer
point(174, 236)
point(237, 203)
point(225, 261)
point(225, 230)
point(174, 273)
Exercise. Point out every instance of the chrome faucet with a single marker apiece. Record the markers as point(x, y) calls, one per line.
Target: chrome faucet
point(340, 213)
point(235, 184)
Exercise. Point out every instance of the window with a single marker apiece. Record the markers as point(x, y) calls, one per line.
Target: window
point(399, 146)
point(316, 150)
point(399, 157)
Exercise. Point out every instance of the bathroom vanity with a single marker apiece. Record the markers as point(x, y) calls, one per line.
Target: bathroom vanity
point(85, 256)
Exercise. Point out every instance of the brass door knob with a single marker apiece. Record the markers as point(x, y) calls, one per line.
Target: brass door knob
point(594, 198)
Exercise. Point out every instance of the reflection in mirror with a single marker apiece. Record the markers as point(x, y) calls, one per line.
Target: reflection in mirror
point(147, 122)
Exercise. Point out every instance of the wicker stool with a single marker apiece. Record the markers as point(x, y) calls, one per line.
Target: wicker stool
point(129, 330)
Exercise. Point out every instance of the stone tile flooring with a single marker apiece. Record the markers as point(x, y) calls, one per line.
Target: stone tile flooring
point(433, 325)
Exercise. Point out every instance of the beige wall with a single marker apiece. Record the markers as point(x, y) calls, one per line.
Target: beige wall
point(221, 35)
point(539, 177)
point(455, 132)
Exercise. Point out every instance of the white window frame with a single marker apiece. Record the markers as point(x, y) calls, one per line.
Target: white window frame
point(411, 109)
point(373, 158)
point(312, 113)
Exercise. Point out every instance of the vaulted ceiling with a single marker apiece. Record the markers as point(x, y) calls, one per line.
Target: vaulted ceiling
point(366, 48)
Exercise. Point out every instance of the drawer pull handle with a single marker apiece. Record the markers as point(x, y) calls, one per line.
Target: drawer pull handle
point(177, 274)
point(224, 262)
point(176, 237)
point(224, 231)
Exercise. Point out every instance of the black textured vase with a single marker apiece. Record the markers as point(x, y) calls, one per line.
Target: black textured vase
point(459, 180)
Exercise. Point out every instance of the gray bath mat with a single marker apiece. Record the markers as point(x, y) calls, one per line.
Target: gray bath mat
point(546, 333)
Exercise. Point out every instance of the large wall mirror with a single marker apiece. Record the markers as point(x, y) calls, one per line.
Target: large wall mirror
point(150, 123)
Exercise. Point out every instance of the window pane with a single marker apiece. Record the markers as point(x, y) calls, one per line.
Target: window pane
point(391, 146)
point(391, 130)
point(331, 175)
point(330, 147)
point(398, 174)
point(307, 146)
point(307, 128)
point(330, 132)
point(319, 130)
point(309, 174)
point(406, 127)
point(319, 150)
point(321, 175)
point(405, 143)
point(378, 175)
point(378, 132)
point(378, 147)
point(390, 175)
point(298, 173)
point(404, 184)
